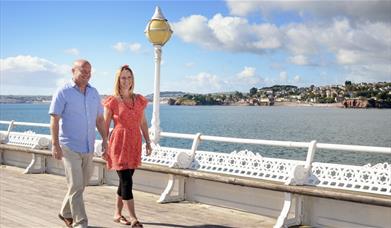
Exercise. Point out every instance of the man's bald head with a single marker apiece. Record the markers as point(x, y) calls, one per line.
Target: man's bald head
point(80, 63)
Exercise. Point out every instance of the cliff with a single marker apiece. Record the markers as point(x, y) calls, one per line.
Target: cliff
point(366, 103)
point(355, 103)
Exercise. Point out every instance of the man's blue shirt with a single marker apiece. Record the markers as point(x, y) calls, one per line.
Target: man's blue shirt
point(78, 114)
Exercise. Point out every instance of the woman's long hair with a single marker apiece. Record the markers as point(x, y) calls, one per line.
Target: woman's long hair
point(117, 85)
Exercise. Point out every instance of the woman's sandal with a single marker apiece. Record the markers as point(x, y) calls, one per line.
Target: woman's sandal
point(122, 220)
point(136, 224)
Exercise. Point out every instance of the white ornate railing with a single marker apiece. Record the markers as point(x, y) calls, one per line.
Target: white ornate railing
point(372, 179)
point(27, 138)
point(246, 163)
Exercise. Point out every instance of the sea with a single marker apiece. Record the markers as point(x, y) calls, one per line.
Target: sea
point(367, 127)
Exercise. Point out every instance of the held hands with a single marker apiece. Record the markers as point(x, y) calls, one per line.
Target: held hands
point(57, 152)
point(105, 156)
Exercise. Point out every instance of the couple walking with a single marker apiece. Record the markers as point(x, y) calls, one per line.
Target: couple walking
point(76, 109)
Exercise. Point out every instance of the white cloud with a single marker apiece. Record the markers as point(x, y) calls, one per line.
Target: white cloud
point(301, 39)
point(242, 8)
point(296, 79)
point(347, 56)
point(228, 33)
point(135, 47)
point(368, 73)
point(283, 77)
point(229, 30)
point(33, 72)
point(365, 43)
point(189, 64)
point(299, 60)
point(375, 10)
point(120, 46)
point(124, 46)
point(204, 81)
point(338, 42)
point(247, 77)
point(199, 31)
point(72, 51)
point(247, 72)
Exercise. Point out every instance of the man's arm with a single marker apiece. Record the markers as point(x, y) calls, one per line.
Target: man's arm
point(54, 129)
point(108, 115)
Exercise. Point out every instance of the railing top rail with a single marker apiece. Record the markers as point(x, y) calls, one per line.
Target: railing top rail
point(25, 124)
point(369, 149)
point(356, 148)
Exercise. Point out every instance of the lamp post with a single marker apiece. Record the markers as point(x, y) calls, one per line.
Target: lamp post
point(158, 32)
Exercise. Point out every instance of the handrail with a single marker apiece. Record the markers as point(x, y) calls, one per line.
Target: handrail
point(357, 148)
point(26, 124)
point(328, 146)
point(370, 149)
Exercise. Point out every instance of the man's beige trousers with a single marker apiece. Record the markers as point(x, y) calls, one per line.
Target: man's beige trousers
point(78, 170)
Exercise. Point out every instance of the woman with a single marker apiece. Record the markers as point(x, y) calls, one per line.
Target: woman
point(126, 109)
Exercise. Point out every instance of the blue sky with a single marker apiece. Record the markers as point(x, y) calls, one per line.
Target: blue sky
point(217, 46)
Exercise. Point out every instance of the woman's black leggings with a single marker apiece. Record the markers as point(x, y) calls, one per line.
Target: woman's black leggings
point(125, 183)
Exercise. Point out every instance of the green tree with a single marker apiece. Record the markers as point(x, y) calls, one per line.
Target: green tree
point(238, 95)
point(348, 83)
point(253, 91)
point(382, 95)
point(188, 96)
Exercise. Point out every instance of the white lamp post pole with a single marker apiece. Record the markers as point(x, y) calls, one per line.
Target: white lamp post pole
point(155, 122)
point(158, 32)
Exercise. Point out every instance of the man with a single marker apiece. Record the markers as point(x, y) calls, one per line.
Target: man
point(77, 104)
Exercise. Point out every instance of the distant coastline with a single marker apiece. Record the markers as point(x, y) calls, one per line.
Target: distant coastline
point(34, 100)
point(349, 95)
point(287, 104)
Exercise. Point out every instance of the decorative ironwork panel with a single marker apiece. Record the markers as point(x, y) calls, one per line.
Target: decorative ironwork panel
point(29, 139)
point(162, 155)
point(244, 163)
point(373, 179)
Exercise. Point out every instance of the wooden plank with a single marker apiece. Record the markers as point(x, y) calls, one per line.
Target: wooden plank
point(34, 200)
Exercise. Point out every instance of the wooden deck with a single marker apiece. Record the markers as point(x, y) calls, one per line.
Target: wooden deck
point(34, 200)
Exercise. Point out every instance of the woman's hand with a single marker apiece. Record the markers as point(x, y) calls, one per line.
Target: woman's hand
point(148, 148)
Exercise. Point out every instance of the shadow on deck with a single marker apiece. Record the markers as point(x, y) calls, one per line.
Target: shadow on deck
point(34, 200)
